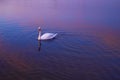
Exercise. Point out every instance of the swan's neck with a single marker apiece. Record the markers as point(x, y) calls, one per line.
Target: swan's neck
point(39, 35)
point(39, 32)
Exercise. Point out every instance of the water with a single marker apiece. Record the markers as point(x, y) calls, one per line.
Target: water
point(87, 46)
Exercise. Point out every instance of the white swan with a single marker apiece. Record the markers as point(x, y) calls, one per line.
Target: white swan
point(45, 36)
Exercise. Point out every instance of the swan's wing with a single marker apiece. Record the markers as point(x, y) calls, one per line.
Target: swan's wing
point(48, 36)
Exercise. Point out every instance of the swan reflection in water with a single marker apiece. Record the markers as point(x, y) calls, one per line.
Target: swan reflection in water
point(39, 45)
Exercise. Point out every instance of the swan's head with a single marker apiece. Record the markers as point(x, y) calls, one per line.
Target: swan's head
point(39, 28)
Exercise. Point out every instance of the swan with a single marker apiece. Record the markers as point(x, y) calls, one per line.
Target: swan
point(45, 36)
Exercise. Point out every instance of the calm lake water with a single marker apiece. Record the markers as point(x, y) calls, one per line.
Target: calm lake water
point(87, 46)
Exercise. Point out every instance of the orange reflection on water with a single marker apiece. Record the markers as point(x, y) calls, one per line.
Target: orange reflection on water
point(109, 37)
point(15, 62)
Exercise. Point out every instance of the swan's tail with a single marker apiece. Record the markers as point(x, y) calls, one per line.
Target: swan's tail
point(55, 34)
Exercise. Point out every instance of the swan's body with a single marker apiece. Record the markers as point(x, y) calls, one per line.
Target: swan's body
point(46, 36)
